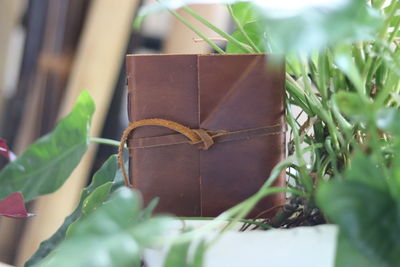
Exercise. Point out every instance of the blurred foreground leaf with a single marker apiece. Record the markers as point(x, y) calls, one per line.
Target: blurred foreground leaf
point(349, 256)
point(305, 26)
point(179, 253)
point(106, 174)
point(365, 210)
point(113, 235)
point(388, 119)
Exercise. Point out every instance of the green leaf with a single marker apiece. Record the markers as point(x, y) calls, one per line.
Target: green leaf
point(148, 211)
point(108, 172)
point(352, 105)
point(345, 62)
point(293, 65)
point(298, 27)
point(388, 119)
point(112, 235)
point(101, 239)
point(178, 254)
point(47, 163)
point(366, 171)
point(254, 31)
point(105, 174)
point(378, 3)
point(199, 254)
point(150, 231)
point(91, 202)
point(307, 29)
point(115, 215)
point(363, 207)
point(312, 28)
point(246, 12)
point(96, 198)
point(348, 256)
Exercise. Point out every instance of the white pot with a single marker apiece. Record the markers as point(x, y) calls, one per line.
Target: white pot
point(301, 246)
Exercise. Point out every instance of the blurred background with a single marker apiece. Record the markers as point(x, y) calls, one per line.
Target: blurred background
point(50, 50)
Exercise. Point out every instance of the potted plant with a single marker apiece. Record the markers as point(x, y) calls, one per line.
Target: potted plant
point(344, 82)
point(330, 77)
point(343, 71)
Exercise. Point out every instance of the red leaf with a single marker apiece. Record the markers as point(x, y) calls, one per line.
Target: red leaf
point(4, 149)
point(13, 206)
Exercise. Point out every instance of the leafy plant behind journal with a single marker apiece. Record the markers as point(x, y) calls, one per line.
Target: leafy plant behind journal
point(343, 69)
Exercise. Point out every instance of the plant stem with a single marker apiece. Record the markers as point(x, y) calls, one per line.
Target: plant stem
point(394, 32)
point(298, 93)
point(104, 141)
point(381, 36)
point(386, 26)
point(241, 29)
point(197, 31)
point(262, 225)
point(376, 148)
point(211, 26)
point(304, 177)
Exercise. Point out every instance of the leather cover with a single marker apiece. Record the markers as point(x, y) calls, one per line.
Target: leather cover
point(211, 92)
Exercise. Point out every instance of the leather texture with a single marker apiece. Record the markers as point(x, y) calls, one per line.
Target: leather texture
point(239, 94)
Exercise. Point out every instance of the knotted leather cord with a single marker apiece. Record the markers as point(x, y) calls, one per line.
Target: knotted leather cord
point(196, 136)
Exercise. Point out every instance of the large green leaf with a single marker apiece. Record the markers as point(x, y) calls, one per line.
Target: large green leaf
point(364, 170)
point(107, 173)
point(47, 163)
point(365, 210)
point(349, 256)
point(113, 235)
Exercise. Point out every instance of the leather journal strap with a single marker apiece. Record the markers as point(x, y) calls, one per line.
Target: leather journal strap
point(201, 138)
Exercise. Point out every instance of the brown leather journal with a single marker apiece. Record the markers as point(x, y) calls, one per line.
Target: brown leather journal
point(210, 128)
